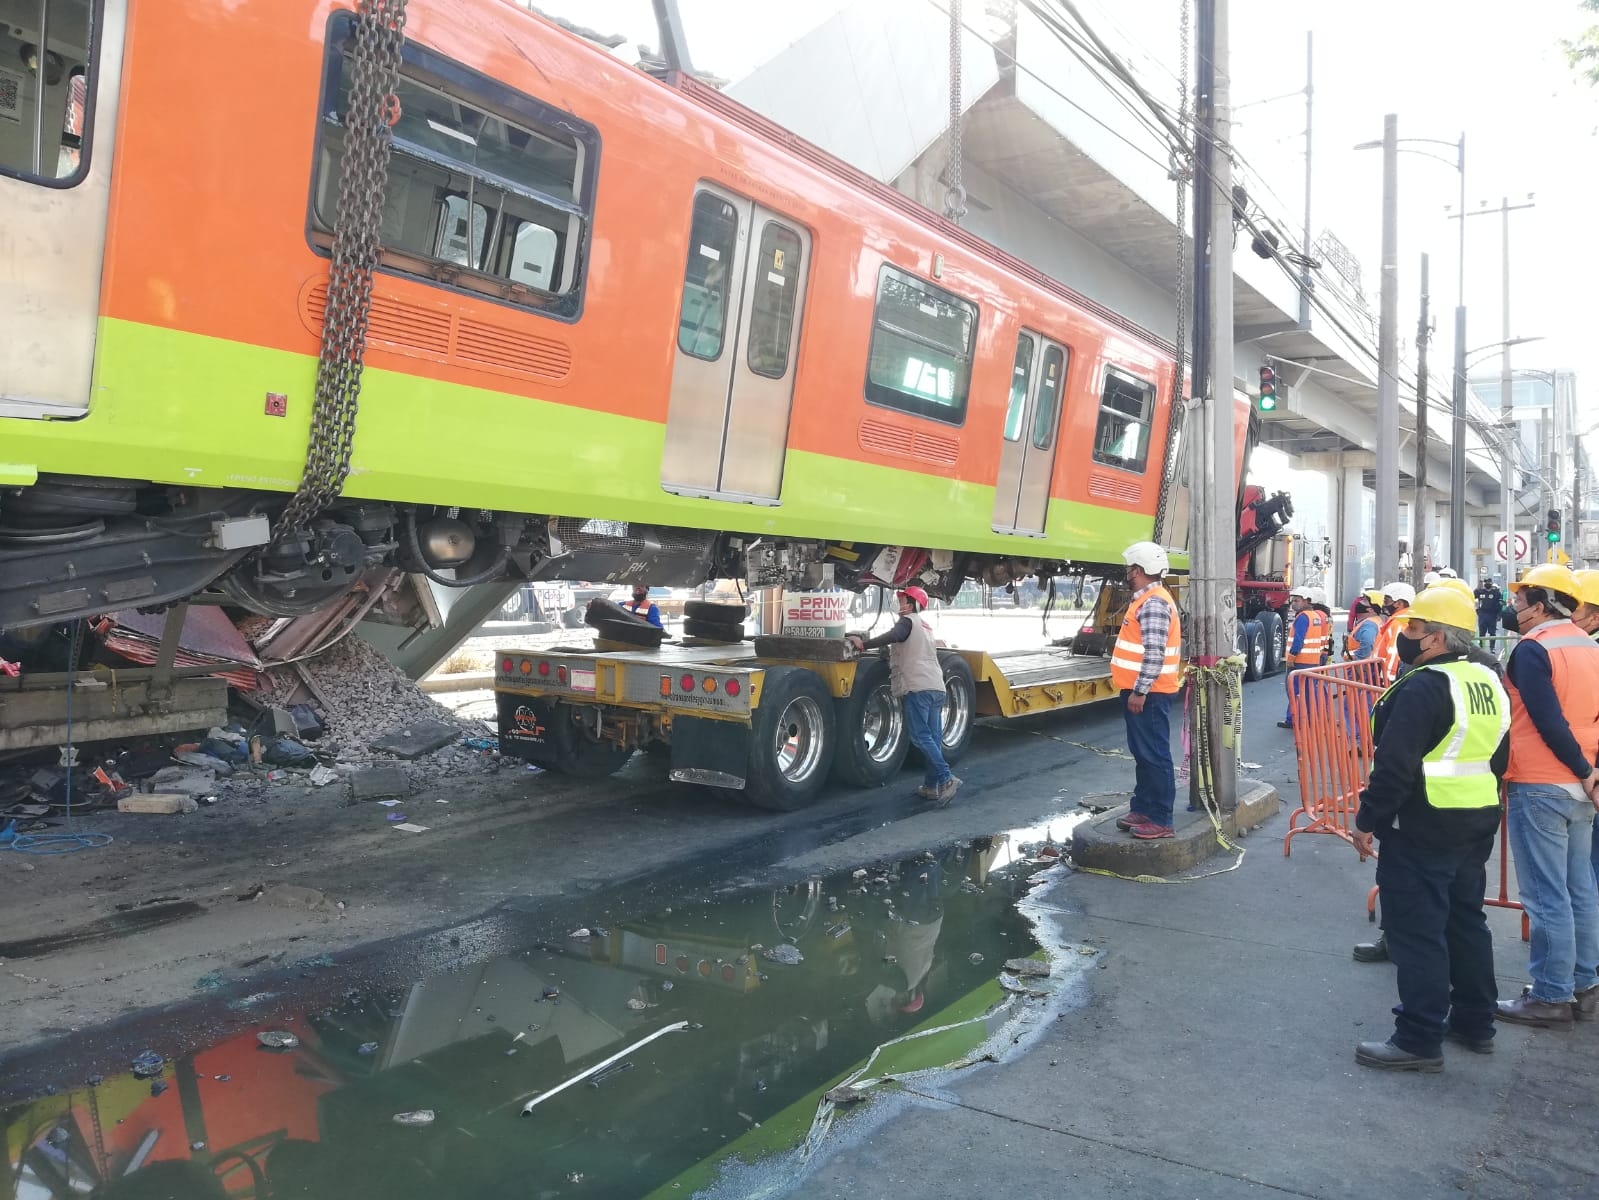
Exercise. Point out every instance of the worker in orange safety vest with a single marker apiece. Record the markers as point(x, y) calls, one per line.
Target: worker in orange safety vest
point(1311, 634)
point(1396, 598)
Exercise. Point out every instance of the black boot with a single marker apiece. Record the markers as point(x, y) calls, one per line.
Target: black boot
point(1372, 951)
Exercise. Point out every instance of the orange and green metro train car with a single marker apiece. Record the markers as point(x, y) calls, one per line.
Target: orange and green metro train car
point(621, 326)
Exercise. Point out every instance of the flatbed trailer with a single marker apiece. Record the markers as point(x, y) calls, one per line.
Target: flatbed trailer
point(770, 721)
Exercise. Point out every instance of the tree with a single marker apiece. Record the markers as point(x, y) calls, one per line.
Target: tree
point(1583, 50)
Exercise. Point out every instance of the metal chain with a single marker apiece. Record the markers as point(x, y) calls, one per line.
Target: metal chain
point(373, 109)
point(1182, 173)
point(955, 195)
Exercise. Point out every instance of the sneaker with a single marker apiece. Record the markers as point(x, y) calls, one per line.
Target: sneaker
point(1128, 819)
point(1585, 1007)
point(1148, 831)
point(946, 792)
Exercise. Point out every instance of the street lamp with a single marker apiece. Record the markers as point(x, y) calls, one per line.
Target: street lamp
point(1497, 347)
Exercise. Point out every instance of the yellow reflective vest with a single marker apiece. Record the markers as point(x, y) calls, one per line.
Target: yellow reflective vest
point(1458, 771)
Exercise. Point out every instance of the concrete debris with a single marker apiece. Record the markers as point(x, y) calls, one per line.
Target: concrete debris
point(418, 739)
point(1027, 968)
point(188, 780)
point(844, 1094)
point(787, 954)
point(376, 783)
point(322, 776)
point(277, 1039)
point(161, 803)
point(422, 1116)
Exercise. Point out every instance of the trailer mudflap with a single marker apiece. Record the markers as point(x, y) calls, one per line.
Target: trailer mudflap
point(712, 753)
point(528, 729)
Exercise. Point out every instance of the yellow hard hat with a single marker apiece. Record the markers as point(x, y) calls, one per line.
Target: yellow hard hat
point(1550, 577)
point(1444, 606)
point(1588, 581)
point(1459, 585)
point(1374, 596)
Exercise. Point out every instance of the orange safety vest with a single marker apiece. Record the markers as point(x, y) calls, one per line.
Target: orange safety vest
point(1386, 651)
point(1574, 665)
point(1352, 642)
point(1317, 634)
point(1127, 659)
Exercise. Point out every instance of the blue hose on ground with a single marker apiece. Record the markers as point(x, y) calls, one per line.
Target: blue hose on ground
point(72, 840)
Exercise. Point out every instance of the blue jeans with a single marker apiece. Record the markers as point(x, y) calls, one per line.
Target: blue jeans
point(924, 722)
point(1438, 938)
point(1551, 836)
point(1149, 742)
point(1292, 686)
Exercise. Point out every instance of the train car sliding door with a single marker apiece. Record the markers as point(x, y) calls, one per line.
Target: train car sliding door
point(1027, 455)
point(733, 378)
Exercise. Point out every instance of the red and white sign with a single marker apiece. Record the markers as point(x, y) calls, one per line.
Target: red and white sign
point(1523, 547)
point(815, 614)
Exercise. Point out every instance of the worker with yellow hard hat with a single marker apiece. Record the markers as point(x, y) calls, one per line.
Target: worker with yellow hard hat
point(1439, 747)
point(1586, 617)
point(1552, 791)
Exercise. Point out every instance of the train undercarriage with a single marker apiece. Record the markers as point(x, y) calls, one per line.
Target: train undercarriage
point(75, 546)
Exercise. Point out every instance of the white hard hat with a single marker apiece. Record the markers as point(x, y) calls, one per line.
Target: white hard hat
point(1448, 573)
point(1149, 556)
point(1430, 578)
point(1318, 595)
point(1304, 591)
point(1399, 591)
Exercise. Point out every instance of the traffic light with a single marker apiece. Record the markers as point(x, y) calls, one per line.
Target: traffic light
point(1552, 527)
point(1268, 390)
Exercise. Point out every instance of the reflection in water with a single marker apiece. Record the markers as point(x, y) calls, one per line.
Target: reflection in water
point(773, 997)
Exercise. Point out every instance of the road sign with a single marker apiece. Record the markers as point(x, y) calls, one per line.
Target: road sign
point(1523, 547)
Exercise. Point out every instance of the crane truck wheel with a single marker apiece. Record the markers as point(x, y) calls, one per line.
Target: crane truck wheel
point(794, 737)
point(1252, 646)
point(960, 705)
point(872, 741)
point(1271, 632)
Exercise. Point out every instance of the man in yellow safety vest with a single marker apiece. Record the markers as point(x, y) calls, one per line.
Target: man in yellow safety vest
point(1441, 745)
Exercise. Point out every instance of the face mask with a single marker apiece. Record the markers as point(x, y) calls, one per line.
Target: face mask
point(1387, 610)
point(1510, 619)
point(1409, 648)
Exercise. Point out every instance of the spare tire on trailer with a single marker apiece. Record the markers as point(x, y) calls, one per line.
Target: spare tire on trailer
point(715, 631)
point(712, 610)
point(872, 740)
point(632, 633)
point(794, 733)
point(601, 609)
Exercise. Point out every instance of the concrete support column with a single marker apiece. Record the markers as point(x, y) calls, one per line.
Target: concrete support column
point(1347, 507)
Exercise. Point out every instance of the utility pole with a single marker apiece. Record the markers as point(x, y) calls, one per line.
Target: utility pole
point(1214, 539)
point(1387, 533)
point(1421, 550)
point(1310, 92)
point(1457, 440)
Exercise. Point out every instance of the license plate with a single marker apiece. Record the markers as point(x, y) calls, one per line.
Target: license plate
point(582, 681)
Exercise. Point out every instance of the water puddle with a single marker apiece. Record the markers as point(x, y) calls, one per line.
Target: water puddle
point(655, 1053)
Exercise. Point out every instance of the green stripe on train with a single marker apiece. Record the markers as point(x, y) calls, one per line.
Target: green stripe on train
point(189, 409)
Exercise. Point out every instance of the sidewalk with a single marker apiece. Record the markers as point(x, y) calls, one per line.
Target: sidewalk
point(1213, 1056)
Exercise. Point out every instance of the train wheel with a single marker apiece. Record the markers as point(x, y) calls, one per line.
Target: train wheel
point(795, 733)
point(872, 743)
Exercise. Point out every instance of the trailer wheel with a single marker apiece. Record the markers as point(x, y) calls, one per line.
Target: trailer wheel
point(600, 609)
point(1253, 648)
point(577, 751)
point(871, 729)
point(629, 632)
point(960, 705)
point(712, 610)
point(715, 631)
point(1271, 632)
point(793, 740)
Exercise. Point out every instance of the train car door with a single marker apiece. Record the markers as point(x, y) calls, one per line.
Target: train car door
point(733, 375)
point(60, 67)
point(1032, 418)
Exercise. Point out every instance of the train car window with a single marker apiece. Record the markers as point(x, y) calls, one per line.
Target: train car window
point(489, 189)
point(921, 353)
point(1047, 407)
point(1020, 383)
point(776, 273)
point(1125, 410)
point(712, 243)
point(46, 89)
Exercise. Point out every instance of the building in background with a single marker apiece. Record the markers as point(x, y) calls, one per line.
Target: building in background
point(1551, 470)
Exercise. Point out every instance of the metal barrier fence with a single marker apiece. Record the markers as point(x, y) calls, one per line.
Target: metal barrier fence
point(1331, 709)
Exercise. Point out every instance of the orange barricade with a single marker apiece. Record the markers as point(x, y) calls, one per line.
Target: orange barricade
point(1331, 708)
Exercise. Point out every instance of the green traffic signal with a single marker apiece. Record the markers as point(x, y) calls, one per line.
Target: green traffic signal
point(1267, 403)
point(1554, 537)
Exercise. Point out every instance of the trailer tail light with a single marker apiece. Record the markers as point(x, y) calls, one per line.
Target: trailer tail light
point(660, 954)
point(686, 683)
point(561, 674)
point(704, 968)
point(527, 666)
point(666, 685)
point(709, 685)
point(728, 974)
point(681, 963)
point(507, 665)
point(732, 688)
point(544, 669)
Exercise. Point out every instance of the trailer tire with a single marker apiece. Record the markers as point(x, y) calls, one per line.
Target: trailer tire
point(1271, 630)
point(1251, 645)
point(630, 633)
point(712, 610)
point(794, 738)
point(714, 631)
point(600, 609)
point(577, 754)
point(872, 743)
point(960, 705)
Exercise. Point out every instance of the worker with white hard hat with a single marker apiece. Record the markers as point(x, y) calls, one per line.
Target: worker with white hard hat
point(1307, 641)
point(1396, 598)
point(1146, 668)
